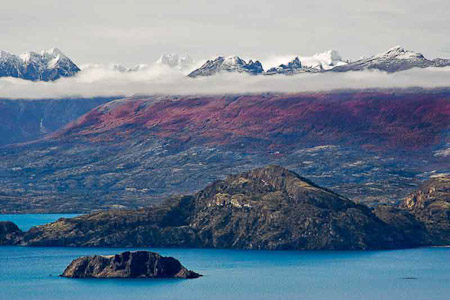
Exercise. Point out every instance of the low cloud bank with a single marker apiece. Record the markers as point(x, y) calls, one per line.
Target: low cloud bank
point(106, 81)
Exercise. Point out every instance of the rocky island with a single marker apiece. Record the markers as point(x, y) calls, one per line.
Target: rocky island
point(136, 264)
point(267, 208)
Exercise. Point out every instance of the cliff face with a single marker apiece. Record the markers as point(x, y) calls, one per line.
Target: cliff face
point(431, 205)
point(267, 208)
point(138, 264)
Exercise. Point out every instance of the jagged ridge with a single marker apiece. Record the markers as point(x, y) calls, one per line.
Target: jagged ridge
point(45, 66)
point(228, 64)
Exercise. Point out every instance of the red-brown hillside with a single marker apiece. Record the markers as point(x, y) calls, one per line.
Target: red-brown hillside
point(369, 146)
point(379, 120)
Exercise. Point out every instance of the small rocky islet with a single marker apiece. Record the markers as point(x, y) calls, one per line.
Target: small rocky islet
point(129, 264)
point(268, 208)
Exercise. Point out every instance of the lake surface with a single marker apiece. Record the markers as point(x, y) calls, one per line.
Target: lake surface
point(417, 274)
point(26, 221)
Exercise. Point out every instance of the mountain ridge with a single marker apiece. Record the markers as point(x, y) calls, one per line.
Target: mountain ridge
point(53, 64)
point(228, 64)
point(393, 60)
point(47, 65)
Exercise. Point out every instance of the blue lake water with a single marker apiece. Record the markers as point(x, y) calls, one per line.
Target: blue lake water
point(32, 273)
point(26, 221)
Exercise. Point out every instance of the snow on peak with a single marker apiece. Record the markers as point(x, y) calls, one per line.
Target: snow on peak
point(398, 52)
point(28, 56)
point(233, 61)
point(48, 58)
point(43, 66)
point(53, 52)
point(43, 56)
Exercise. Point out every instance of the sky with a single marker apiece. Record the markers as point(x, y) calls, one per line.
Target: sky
point(132, 32)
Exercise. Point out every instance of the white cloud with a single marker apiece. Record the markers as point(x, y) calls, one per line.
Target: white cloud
point(100, 80)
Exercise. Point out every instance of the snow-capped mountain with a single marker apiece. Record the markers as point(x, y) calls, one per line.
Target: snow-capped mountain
point(53, 64)
point(228, 64)
point(312, 64)
point(394, 60)
point(45, 66)
point(315, 63)
point(10, 65)
point(177, 61)
point(291, 68)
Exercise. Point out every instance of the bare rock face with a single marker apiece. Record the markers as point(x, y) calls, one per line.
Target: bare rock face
point(431, 205)
point(268, 208)
point(137, 264)
point(9, 233)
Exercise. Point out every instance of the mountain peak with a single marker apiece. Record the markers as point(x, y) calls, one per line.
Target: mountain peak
point(282, 178)
point(228, 64)
point(398, 52)
point(45, 55)
point(291, 68)
point(233, 60)
point(44, 66)
point(395, 59)
point(54, 52)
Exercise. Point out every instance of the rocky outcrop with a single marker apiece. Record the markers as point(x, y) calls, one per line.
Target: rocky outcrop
point(267, 208)
point(10, 234)
point(431, 205)
point(136, 264)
